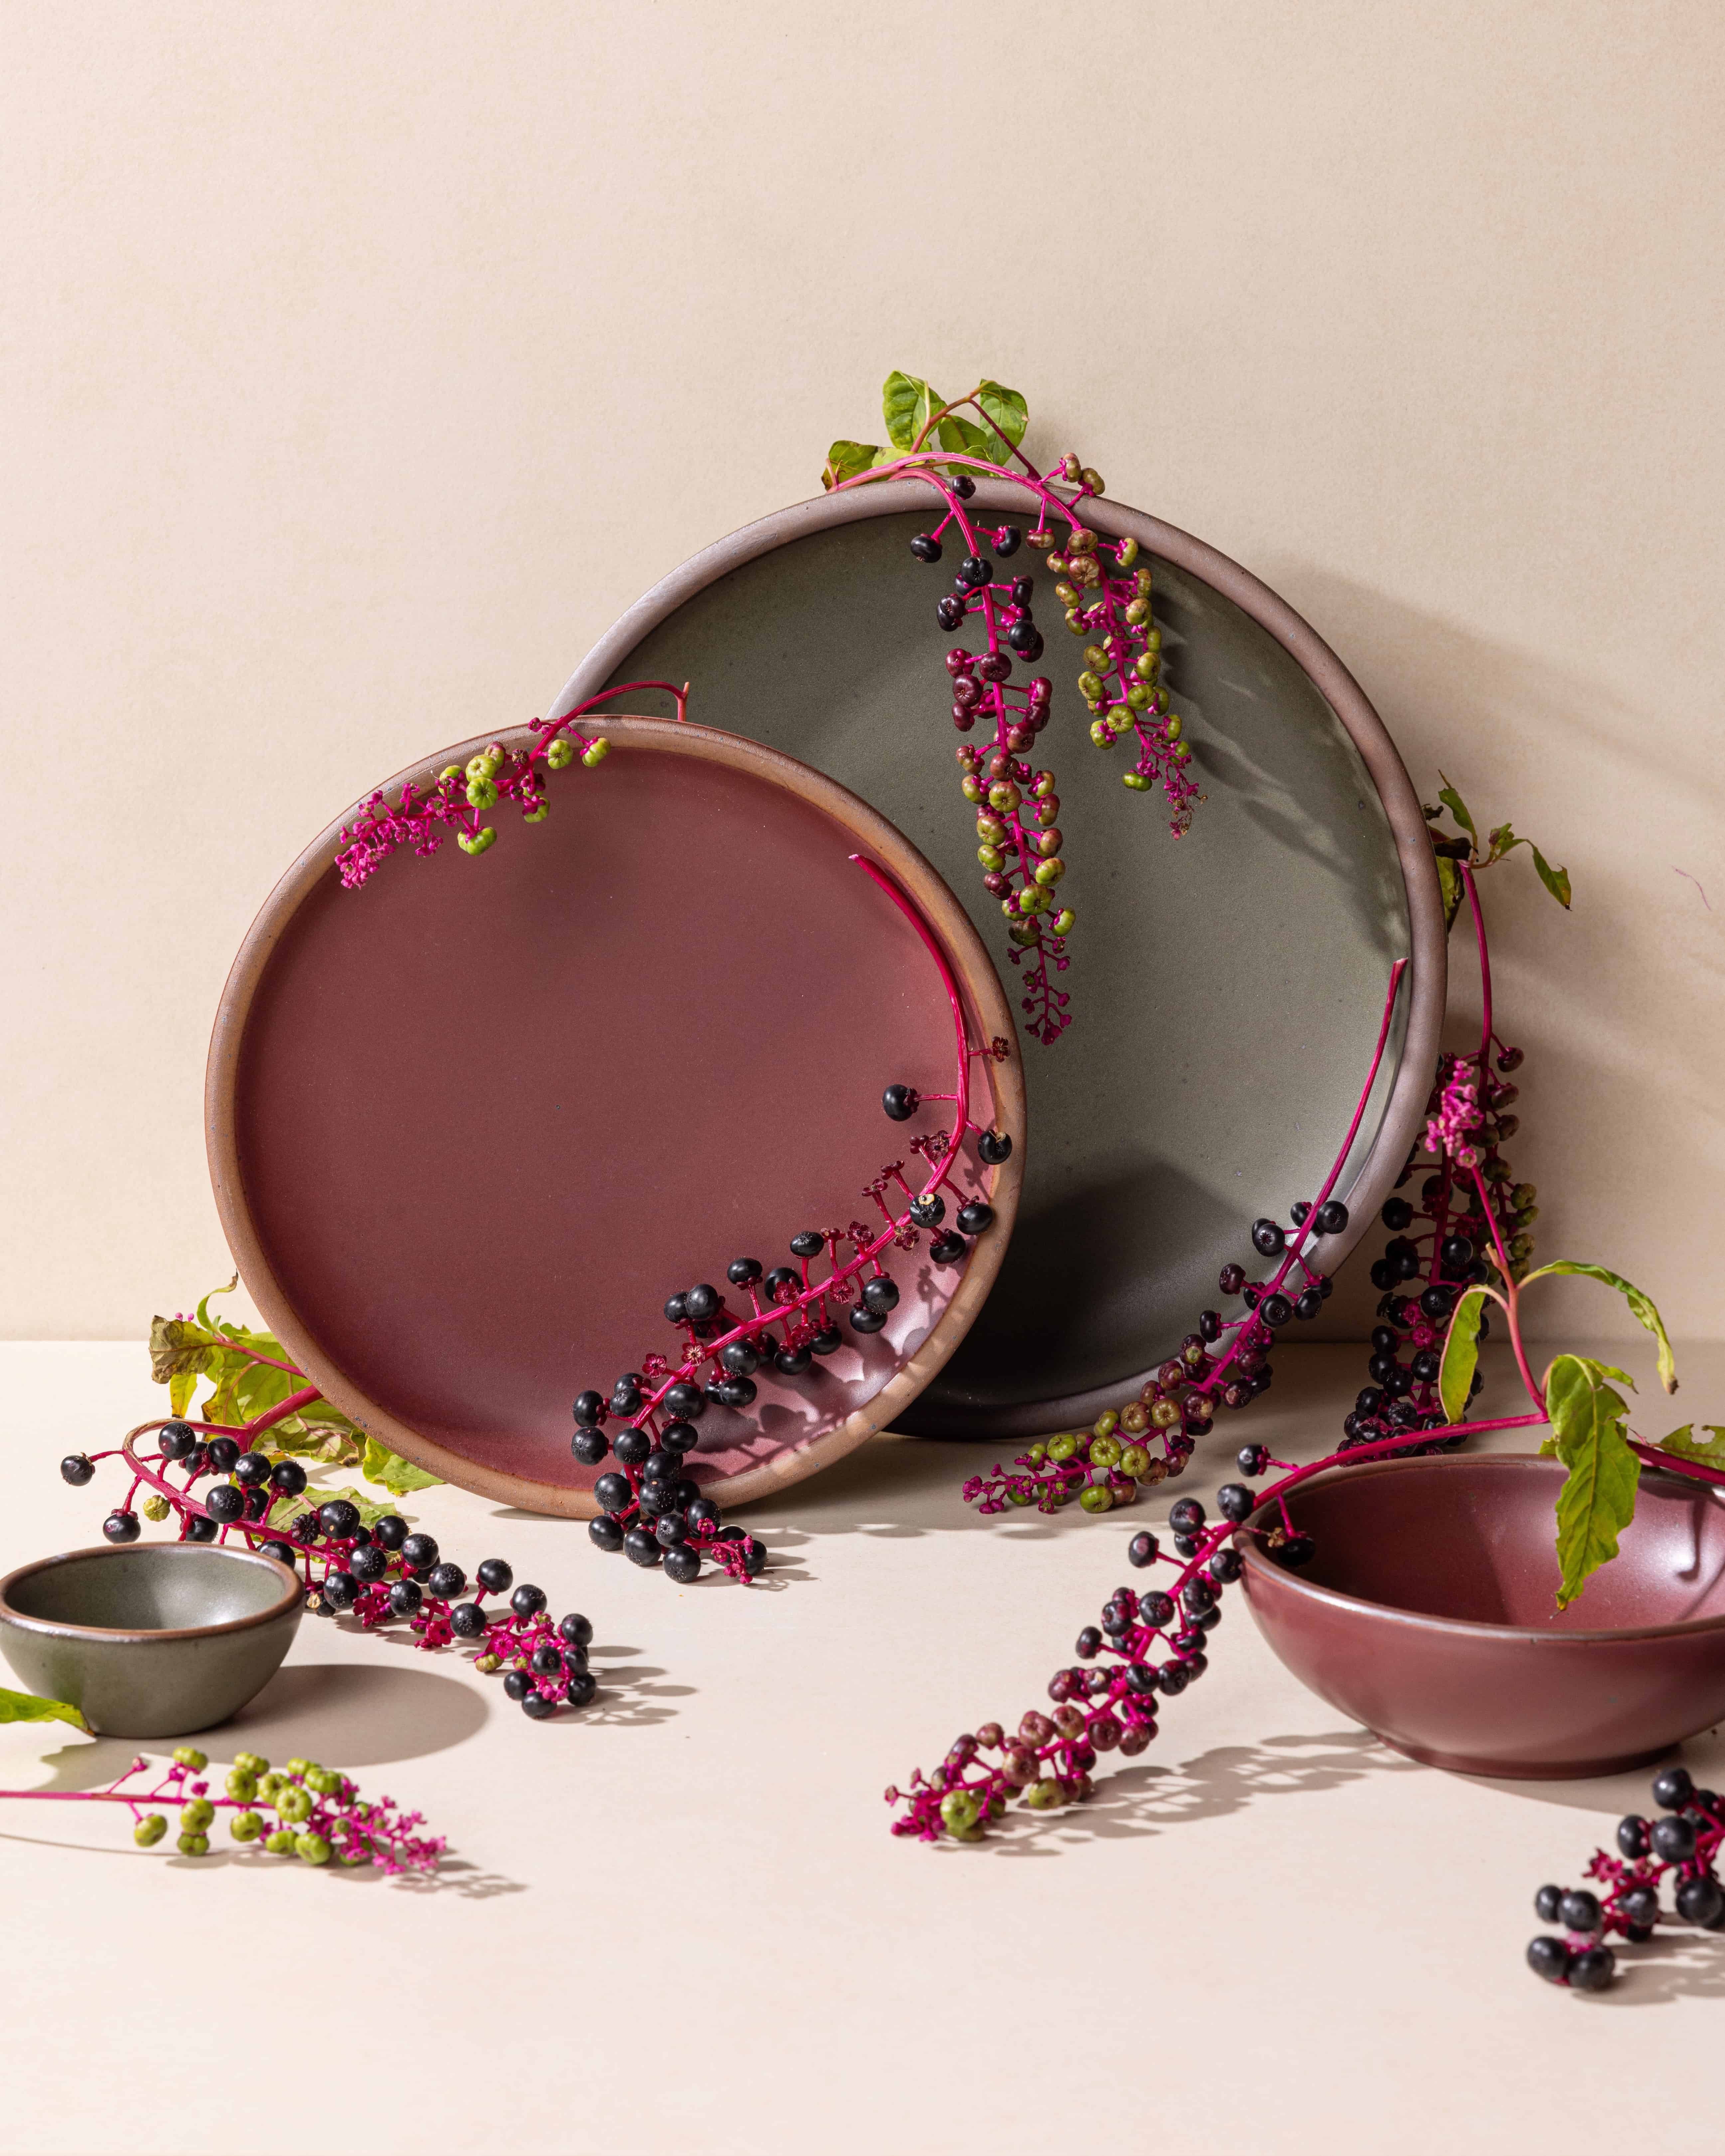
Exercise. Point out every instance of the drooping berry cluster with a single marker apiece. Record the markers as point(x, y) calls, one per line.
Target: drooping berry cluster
point(652, 1510)
point(1105, 590)
point(463, 794)
point(1680, 1850)
point(377, 1571)
point(302, 1810)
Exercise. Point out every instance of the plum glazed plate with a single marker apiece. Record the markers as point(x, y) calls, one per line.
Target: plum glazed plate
point(1227, 988)
point(470, 1126)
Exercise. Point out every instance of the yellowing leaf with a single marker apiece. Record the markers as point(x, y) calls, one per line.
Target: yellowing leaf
point(1461, 1354)
point(25, 1707)
point(392, 1472)
point(1598, 1499)
point(1640, 1308)
point(847, 461)
point(1686, 1445)
point(907, 405)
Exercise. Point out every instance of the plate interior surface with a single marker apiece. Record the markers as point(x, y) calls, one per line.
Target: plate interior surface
point(487, 1114)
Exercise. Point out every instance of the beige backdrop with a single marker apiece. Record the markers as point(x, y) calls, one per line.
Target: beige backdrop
point(361, 361)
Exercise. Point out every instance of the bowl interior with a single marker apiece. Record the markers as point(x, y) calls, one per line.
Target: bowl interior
point(1475, 1539)
point(161, 1588)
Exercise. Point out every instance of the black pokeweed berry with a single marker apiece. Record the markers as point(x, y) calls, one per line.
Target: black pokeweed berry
point(900, 1103)
point(974, 1217)
point(925, 547)
point(993, 1147)
point(77, 1468)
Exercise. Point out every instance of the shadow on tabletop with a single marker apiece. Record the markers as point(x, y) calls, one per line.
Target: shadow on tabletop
point(1132, 1802)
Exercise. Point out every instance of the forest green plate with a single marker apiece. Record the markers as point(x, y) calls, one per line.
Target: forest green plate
point(1227, 988)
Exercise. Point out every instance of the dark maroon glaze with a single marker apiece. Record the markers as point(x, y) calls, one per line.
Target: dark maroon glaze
point(1428, 1614)
point(487, 1114)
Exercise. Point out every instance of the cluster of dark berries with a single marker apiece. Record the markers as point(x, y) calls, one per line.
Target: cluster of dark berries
point(1148, 1647)
point(376, 1573)
point(1436, 1250)
point(652, 1508)
point(1682, 1848)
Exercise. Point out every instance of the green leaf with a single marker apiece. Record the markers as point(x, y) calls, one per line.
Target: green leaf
point(1450, 885)
point(848, 460)
point(907, 404)
point(25, 1707)
point(965, 438)
point(1457, 807)
point(1009, 412)
point(392, 1472)
point(371, 1509)
point(1686, 1445)
point(1461, 1354)
point(1598, 1499)
point(1640, 1307)
point(1556, 880)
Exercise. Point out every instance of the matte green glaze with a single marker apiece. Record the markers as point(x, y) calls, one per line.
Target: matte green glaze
point(1227, 986)
point(154, 1641)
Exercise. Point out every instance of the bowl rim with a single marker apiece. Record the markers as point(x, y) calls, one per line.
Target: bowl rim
point(1256, 1562)
point(290, 1598)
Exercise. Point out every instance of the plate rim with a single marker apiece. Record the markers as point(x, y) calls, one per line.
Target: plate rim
point(986, 1007)
point(1427, 974)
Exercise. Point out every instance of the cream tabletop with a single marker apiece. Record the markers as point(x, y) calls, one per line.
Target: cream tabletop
point(678, 1922)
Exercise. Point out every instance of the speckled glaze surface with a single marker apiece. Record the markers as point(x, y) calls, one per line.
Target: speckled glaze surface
point(156, 1640)
point(1428, 1614)
point(471, 1124)
point(1227, 988)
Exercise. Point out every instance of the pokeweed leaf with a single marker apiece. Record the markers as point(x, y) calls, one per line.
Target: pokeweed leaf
point(392, 1473)
point(968, 439)
point(907, 404)
point(1450, 885)
point(1556, 880)
point(25, 1707)
point(847, 459)
point(1598, 1499)
point(1461, 1355)
point(1686, 1445)
point(1640, 1308)
point(1457, 807)
point(1009, 412)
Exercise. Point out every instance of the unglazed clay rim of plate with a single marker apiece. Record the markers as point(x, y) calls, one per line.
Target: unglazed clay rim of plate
point(1424, 992)
point(1470, 1627)
point(59, 1628)
point(985, 1009)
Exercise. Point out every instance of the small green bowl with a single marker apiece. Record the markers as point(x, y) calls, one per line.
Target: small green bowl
point(156, 1641)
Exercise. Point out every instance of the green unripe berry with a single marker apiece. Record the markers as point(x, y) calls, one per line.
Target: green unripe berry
point(294, 1805)
point(481, 768)
point(311, 1849)
point(991, 857)
point(194, 1845)
point(596, 752)
point(1152, 643)
point(149, 1831)
point(280, 1843)
point(1017, 1497)
point(481, 793)
point(188, 1755)
point(560, 753)
point(487, 1664)
point(1066, 594)
point(1090, 685)
point(1107, 1423)
point(154, 1506)
point(245, 1827)
point(1105, 1452)
point(1137, 697)
point(1135, 1461)
point(1145, 666)
point(1135, 780)
point(322, 1783)
point(1096, 658)
point(1097, 1498)
point(1101, 733)
point(1062, 922)
point(1138, 612)
point(1091, 479)
point(250, 1762)
point(1050, 871)
point(1120, 718)
point(1524, 1194)
point(1022, 934)
point(1127, 553)
point(1004, 795)
point(536, 815)
point(1062, 1447)
point(241, 1786)
point(197, 1815)
point(1044, 1796)
point(1173, 726)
